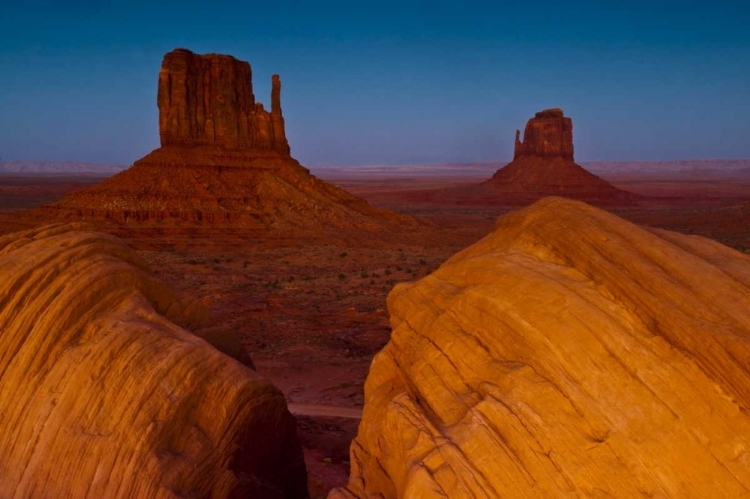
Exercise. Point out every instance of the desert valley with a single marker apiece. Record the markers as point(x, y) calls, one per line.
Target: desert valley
point(219, 320)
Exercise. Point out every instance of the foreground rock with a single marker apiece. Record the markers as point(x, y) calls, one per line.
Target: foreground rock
point(223, 160)
point(567, 354)
point(106, 392)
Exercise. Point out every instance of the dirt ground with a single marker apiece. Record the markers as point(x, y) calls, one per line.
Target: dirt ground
point(312, 311)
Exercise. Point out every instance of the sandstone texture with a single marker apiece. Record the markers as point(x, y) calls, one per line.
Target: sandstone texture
point(223, 159)
point(543, 165)
point(569, 353)
point(109, 386)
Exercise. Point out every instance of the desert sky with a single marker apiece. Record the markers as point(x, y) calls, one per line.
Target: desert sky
point(388, 82)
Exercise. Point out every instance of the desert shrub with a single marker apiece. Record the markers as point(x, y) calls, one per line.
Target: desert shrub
point(342, 255)
point(388, 272)
point(342, 277)
point(364, 274)
point(422, 262)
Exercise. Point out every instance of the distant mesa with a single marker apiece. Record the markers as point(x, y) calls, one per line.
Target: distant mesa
point(21, 167)
point(569, 353)
point(224, 159)
point(543, 165)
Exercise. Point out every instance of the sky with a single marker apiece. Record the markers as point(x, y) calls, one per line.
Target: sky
point(388, 82)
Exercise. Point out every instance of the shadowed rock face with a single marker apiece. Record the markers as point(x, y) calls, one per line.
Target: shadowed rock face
point(105, 390)
point(207, 100)
point(569, 353)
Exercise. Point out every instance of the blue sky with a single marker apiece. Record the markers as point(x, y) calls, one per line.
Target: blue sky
point(388, 82)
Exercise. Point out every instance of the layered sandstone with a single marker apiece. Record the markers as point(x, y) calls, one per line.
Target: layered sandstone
point(107, 388)
point(223, 159)
point(569, 353)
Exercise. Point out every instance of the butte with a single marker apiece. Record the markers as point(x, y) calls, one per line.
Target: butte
point(542, 165)
point(224, 160)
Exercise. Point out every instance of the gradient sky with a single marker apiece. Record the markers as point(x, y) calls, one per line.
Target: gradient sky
point(388, 82)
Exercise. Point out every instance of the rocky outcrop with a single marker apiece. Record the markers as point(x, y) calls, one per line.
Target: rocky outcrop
point(224, 160)
point(567, 354)
point(208, 100)
point(543, 165)
point(549, 134)
point(107, 388)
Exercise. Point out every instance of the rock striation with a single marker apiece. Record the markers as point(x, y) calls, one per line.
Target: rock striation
point(223, 159)
point(109, 386)
point(569, 353)
point(543, 165)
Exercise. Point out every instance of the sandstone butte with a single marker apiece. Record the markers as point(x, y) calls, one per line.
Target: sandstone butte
point(107, 388)
point(543, 165)
point(569, 353)
point(223, 159)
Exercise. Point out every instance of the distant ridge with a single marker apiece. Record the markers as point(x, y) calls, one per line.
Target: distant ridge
point(58, 167)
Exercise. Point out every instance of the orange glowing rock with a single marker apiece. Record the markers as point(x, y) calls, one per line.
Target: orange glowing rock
point(108, 390)
point(569, 353)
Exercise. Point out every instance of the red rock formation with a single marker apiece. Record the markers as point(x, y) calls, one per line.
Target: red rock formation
point(548, 134)
point(108, 390)
point(543, 165)
point(223, 160)
point(207, 100)
point(569, 353)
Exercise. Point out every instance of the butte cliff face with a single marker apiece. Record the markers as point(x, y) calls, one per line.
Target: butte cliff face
point(223, 159)
point(567, 354)
point(107, 388)
point(543, 165)
point(208, 100)
point(548, 134)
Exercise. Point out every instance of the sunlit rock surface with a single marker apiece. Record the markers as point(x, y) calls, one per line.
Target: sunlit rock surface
point(569, 353)
point(106, 392)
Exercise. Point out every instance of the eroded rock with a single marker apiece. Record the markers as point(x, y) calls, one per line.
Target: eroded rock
point(105, 390)
point(569, 353)
point(223, 160)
